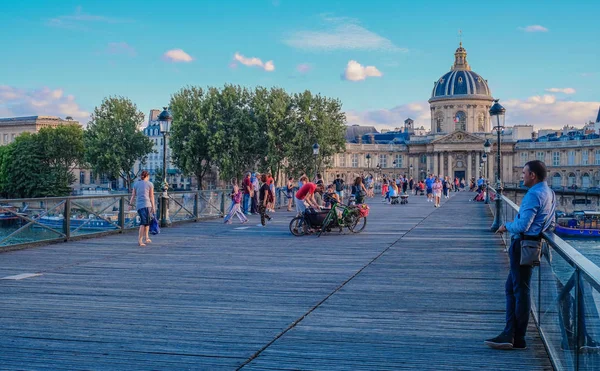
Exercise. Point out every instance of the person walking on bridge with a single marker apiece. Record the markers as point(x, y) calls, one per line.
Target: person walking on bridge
point(535, 216)
point(143, 194)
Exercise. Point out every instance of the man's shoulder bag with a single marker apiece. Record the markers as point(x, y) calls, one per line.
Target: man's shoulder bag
point(531, 246)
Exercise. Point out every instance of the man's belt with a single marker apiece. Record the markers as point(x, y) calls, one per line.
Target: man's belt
point(530, 238)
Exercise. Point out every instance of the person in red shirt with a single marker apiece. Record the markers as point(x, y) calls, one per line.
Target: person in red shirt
point(306, 194)
point(248, 193)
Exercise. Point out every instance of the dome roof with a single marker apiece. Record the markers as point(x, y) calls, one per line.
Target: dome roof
point(460, 81)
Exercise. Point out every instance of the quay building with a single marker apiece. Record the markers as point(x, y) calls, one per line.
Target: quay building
point(460, 124)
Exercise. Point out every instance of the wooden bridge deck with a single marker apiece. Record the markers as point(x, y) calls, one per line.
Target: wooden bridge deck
point(421, 288)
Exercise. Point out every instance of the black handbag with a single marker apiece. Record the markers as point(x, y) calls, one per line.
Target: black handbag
point(531, 246)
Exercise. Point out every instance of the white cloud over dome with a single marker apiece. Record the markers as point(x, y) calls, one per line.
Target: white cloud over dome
point(562, 90)
point(534, 28)
point(43, 101)
point(541, 111)
point(268, 66)
point(340, 33)
point(357, 72)
point(177, 55)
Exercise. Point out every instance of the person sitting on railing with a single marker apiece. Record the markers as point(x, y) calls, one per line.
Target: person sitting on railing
point(536, 215)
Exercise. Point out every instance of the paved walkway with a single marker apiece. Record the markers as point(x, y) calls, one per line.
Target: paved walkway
point(421, 288)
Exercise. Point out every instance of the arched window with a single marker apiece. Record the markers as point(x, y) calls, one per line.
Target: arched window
point(460, 119)
point(585, 181)
point(82, 177)
point(571, 179)
point(556, 181)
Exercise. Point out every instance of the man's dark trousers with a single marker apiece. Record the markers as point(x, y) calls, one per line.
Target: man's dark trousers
point(254, 203)
point(518, 298)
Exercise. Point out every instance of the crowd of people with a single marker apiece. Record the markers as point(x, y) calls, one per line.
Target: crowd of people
point(257, 192)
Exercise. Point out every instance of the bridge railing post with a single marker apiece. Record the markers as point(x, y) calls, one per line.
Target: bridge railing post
point(67, 219)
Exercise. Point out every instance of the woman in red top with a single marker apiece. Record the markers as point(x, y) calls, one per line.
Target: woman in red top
point(384, 188)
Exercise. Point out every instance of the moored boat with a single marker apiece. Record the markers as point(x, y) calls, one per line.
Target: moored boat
point(584, 224)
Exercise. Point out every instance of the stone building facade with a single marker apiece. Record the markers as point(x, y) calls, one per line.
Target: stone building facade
point(12, 127)
point(460, 124)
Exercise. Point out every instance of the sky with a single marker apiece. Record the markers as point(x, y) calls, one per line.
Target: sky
point(380, 58)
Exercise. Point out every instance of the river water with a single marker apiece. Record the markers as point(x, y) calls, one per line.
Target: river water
point(589, 248)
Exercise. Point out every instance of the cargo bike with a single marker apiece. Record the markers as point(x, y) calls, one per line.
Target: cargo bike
point(353, 217)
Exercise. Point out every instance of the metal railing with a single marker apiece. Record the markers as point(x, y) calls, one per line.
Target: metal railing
point(33, 220)
point(565, 292)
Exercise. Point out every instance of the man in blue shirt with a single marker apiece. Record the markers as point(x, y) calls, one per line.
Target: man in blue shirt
point(429, 186)
point(479, 184)
point(536, 215)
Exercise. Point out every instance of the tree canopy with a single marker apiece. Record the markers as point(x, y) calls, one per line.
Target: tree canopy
point(236, 129)
point(113, 141)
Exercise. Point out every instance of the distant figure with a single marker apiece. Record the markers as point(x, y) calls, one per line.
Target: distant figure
point(143, 194)
point(235, 209)
point(339, 187)
point(290, 193)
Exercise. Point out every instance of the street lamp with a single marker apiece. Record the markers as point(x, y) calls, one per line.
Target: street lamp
point(316, 153)
point(368, 156)
point(410, 171)
point(497, 114)
point(164, 120)
point(487, 147)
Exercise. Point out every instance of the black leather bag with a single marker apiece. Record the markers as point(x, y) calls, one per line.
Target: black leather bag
point(531, 252)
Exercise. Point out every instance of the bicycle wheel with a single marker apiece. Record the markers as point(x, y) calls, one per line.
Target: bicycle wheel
point(325, 225)
point(358, 225)
point(297, 226)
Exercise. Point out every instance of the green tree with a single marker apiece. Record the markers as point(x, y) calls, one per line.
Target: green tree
point(113, 141)
point(5, 159)
point(26, 174)
point(190, 135)
point(316, 119)
point(273, 111)
point(63, 151)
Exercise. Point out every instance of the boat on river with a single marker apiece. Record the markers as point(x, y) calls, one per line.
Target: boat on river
point(584, 224)
point(91, 223)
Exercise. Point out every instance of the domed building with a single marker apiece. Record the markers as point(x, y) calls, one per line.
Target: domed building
point(461, 99)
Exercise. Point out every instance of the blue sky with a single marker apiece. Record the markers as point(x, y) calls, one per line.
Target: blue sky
point(541, 58)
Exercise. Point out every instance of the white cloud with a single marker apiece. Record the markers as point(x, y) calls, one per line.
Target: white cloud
point(43, 101)
point(177, 55)
point(121, 48)
point(534, 28)
point(356, 72)
point(394, 117)
point(561, 90)
point(303, 68)
point(79, 20)
point(549, 112)
point(254, 62)
point(341, 33)
point(541, 111)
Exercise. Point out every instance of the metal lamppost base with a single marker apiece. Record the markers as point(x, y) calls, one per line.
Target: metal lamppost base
point(498, 217)
point(163, 212)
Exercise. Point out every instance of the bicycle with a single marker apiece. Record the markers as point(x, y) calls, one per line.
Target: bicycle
point(351, 217)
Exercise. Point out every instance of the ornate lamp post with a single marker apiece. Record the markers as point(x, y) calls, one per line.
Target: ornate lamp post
point(316, 154)
point(164, 119)
point(497, 115)
point(410, 170)
point(487, 147)
point(368, 157)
